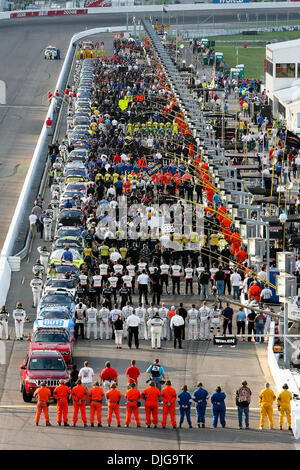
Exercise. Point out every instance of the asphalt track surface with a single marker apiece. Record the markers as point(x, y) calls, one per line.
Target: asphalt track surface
point(28, 78)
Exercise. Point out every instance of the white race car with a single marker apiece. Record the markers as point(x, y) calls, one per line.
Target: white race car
point(50, 52)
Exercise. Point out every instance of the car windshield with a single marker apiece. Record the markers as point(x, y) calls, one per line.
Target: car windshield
point(76, 172)
point(70, 213)
point(53, 315)
point(66, 283)
point(65, 232)
point(58, 254)
point(56, 299)
point(46, 363)
point(76, 187)
point(63, 269)
point(48, 337)
point(70, 194)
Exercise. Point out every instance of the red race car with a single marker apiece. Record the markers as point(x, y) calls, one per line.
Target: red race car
point(55, 339)
point(41, 366)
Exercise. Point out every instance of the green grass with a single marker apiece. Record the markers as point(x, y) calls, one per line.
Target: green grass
point(252, 58)
point(284, 35)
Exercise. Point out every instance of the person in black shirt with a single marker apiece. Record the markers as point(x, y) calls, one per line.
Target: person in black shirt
point(124, 293)
point(183, 313)
point(205, 252)
point(227, 315)
point(251, 324)
point(107, 295)
point(227, 271)
point(156, 286)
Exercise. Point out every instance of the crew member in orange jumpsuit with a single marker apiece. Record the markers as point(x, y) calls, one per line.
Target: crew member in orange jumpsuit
point(168, 395)
point(150, 395)
point(61, 393)
point(177, 179)
point(225, 224)
point(132, 396)
point(235, 242)
point(113, 397)
point(127, 187)
point(254, 292)
point(241, 255)
point(43, 393)
point(167, 177)
point(79, 394)
point(95, 400)
point(209, 193)
point(158, 177)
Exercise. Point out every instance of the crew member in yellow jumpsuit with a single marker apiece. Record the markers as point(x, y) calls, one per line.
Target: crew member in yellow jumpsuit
point(284, 406)
point(266, 398)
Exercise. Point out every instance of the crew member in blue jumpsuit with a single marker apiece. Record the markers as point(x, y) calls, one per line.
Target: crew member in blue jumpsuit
point(185, 400)
point(200, 397)
point(218, 407)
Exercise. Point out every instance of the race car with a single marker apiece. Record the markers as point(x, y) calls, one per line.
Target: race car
point(56, 255)
point(55, 339)
point(67, 284)
point(57, 299)
point(42, 366)
point(55, 317)
point(50, 52)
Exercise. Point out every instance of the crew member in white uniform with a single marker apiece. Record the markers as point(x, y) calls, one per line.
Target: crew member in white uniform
point(151, 311)
point(141, 314)
point(4, 315)
point(97, 281)
point(189, 273)
point(193, 315)
point(156, 323)
point(47, 227)
point(163, 313)
point(164, 272)
point(204, 315)
point(36, 285)
point(175, 272)
point(54, 206)
point(104, 322)
point(19, 315)
point(91, 317)
point(44, 256)
point(38, 268)
point(215, 321)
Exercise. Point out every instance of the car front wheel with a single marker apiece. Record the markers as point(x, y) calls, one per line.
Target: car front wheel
point(27, 397)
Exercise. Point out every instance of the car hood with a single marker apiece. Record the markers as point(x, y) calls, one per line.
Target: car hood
point(50, 346)
point(47, 374)
point(53, 323)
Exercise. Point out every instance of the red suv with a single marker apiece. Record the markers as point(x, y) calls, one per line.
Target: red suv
point(55, 339)
point(41, 366)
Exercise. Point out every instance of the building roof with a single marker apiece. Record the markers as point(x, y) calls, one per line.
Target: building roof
point(288, 95)
point(284, 45)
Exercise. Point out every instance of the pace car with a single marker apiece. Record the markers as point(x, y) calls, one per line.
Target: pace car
point(55, 339)
point(42, 366)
